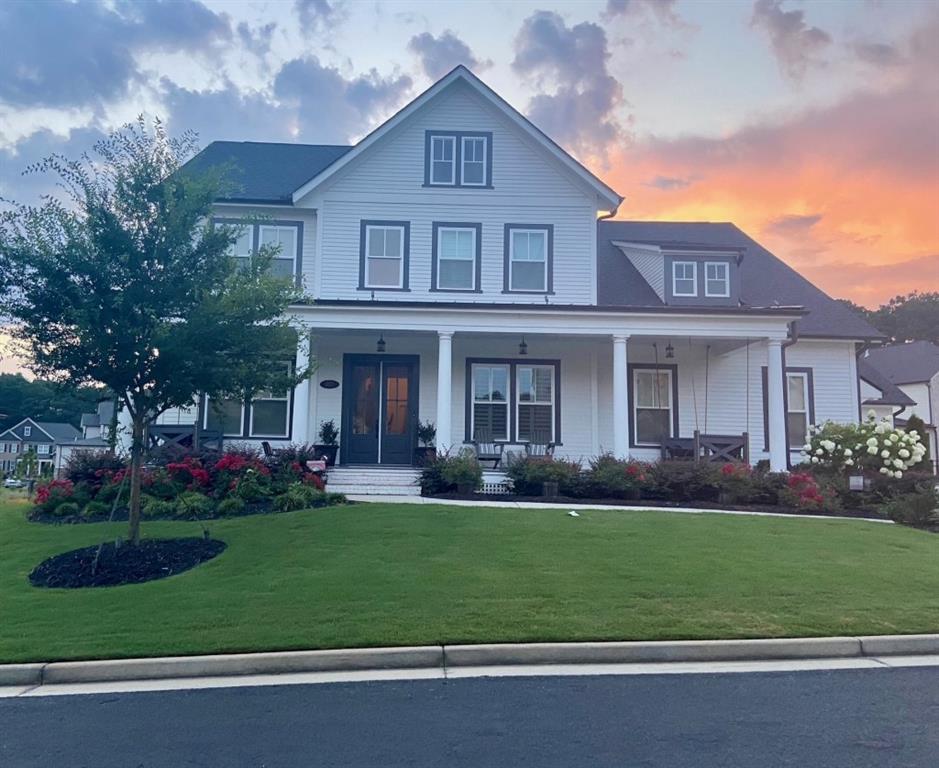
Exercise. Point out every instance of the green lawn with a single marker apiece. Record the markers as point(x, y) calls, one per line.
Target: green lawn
point(387, 574)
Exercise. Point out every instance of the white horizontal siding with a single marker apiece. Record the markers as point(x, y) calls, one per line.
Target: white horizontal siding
point(386, 182)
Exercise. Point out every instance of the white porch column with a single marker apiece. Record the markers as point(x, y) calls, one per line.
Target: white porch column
point(444, 390)
point(300, 426)
point(620, 398)
point(776, 407)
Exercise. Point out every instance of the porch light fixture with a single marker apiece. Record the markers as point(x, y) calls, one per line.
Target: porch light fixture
point(380, 346)
point(523, 347)
point(669, 351)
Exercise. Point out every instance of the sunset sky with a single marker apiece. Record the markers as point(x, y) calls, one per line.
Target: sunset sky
point(812, 125)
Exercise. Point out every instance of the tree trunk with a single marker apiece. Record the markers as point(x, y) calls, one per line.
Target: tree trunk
point(136, 458)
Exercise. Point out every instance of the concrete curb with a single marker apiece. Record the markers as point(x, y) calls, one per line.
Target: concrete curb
point(453, 656)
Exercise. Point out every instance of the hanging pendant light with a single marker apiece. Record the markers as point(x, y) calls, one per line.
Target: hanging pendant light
point(380, 346)
point(523, 347)
point(669, 351)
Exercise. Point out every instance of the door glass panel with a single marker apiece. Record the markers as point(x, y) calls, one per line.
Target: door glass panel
point(396, 400)
point(365, 404)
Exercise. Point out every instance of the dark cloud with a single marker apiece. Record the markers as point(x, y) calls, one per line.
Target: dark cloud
point(438, 55)
point(316, 15)
point(667, 183)
point(580, 113)
point(64, 54)
point(792, 224)
point(878, 54)
point(797, 45)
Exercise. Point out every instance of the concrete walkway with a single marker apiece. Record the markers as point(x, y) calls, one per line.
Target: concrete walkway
point(559, 505)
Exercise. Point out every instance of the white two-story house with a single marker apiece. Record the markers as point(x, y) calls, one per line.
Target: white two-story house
point(461, 268)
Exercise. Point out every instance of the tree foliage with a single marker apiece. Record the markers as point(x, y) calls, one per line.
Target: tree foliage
point(126, 283)
point(912, 317)
point(44, 400)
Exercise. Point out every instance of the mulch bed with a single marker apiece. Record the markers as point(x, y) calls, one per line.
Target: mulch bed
point(660, 504)
point(150, 559)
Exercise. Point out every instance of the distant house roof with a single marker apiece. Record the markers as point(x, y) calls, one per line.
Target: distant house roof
point(59, 431)
point(911, 363)
point(262, 172)
point(890, 393)
point(765, 280)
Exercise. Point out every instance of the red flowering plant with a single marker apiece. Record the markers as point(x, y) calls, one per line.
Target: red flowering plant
point(617, 478)
point(737, 483)
point(49, 495)
point(241, 472)
point(189, 472)
point(803, 492)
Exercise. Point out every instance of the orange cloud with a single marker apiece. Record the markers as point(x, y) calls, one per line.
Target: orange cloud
point(849, 195)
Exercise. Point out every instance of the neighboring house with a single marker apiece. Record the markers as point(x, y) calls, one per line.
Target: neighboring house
point(43, 437)
point(460, 269)
point(95, 434)
point(914, 369)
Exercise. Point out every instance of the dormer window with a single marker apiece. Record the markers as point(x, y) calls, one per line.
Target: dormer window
point(684, 278)
point(458, 159)
point(717, 279)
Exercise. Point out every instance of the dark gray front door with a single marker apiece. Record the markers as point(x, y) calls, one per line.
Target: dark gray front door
point(379, 414)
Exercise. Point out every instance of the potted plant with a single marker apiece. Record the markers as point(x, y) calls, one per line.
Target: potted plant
point(328, 446)
point(426, 435)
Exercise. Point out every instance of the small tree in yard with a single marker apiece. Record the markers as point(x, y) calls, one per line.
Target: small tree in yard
point(128, 284)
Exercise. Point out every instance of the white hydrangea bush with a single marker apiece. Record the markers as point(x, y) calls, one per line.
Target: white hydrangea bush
point(873, 446)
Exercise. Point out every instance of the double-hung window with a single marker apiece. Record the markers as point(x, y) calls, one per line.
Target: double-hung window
point(27, 431)
point(384, 255)
point(490, 401)
point(225, 416)
point(270, 412)
point(43, 449)
point(283, 239)
point(684, 278)
point(717, 279)
point(534, 403)
point(797, 415)
point(457, 253)
point(473, 161)
point(652, 405)
point(242, 249)
point(443, 160)
point(528, 259)
point(266, 415)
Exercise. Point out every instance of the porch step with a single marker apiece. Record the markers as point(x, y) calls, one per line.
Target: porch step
point(377, 481)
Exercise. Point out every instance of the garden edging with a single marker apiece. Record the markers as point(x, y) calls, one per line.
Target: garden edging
point(450, 656)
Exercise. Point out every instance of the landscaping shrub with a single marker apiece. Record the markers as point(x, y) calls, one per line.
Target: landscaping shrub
point(299, 496)
point(66, 509)
point(93, 467)
point(530, 473)
point(192, 504)
point(230, 507)
point(51, 494)
point(444, 473)
point(804, 491)
point(154, 508)
point(432, 481)
point(684, 481)
point(738, 483)
point(251, 487)
point(96, 509)
point(609, 477)
point(919, 509)
point(189, 472)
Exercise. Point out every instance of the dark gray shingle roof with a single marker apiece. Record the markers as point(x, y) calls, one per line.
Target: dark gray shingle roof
point(891, 394)
point(765, 280)
point(262, 172)
point(59, 431)
point(910, 363)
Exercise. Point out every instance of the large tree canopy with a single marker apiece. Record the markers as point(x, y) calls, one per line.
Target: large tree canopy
point(127, 283)
point(44, 400)
point(905, 318)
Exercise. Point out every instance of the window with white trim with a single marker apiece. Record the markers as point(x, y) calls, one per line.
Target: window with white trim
point(27, 431)
point(797, 415)
point(384, 256)
point(242, 250)
point(652, 405)
point(443, 160)
point(717, 279)
point(534, 404)
point(456, 258)
point(528, 260)
point(43, 449)
point(284, 239)
point(473, 161)
point(490, 401)
point(270, 414)
point(225, 416)
point(684, 278)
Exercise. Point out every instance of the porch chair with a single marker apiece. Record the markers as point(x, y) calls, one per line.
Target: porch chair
point(487, 449)
point(540, 445)
point(266, 447)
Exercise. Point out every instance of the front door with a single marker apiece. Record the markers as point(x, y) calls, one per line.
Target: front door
point(379, 413)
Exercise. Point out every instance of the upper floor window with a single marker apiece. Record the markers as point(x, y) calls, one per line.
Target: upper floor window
point(285, 236)
point(456, 257)
point(284, 239)
point(528, 255)
point(684, 278)
point(384, 255)
point(458, 159)
point(43, 448)
point(717, 279)
point(443, 159)
point(27, 431)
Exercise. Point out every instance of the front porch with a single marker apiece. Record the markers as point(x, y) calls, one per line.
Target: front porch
point(588, 393)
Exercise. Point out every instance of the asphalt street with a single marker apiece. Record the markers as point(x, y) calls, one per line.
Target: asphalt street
point(851, 718)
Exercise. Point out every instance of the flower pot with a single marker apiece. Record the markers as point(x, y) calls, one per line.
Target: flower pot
point(550, 490)
point(327, 452)
point(465, 489)
point(424, 455)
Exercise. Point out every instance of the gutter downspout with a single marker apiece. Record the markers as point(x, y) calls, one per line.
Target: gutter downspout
point(793, 338)
point(862, 350)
